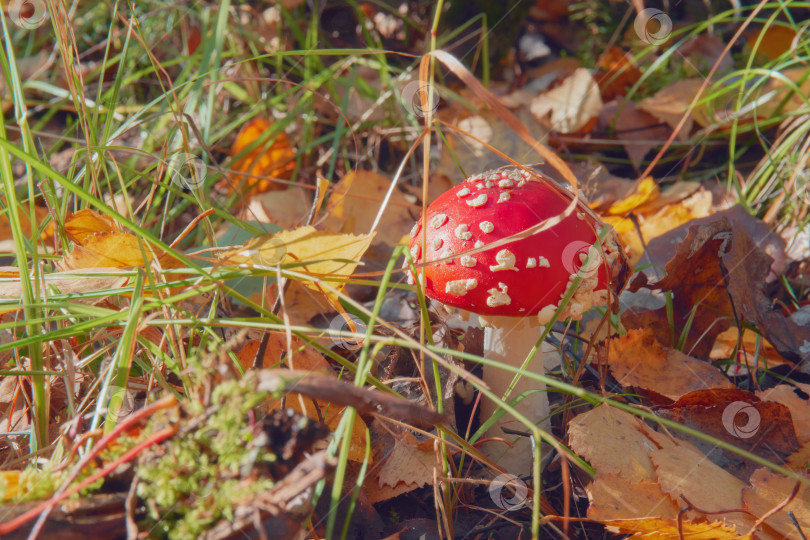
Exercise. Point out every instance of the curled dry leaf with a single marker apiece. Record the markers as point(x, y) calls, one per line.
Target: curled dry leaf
point(637, 359)
point(571, 106)
point(712, 255)
point(740, 418)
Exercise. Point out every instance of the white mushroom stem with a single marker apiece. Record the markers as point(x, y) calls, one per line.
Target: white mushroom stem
point(508, 340)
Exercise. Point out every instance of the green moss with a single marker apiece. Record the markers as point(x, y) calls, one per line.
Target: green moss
point(198, 477)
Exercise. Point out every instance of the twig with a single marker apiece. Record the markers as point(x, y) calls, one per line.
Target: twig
point(775, 509)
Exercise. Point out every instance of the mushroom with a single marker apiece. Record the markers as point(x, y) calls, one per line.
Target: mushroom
point(519, 284)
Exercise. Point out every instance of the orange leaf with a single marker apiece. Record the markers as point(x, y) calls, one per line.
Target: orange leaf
point(273, 157)
point(116, 250)
point(86, 223)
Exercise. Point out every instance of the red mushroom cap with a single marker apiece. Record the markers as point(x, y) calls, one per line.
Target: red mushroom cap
point(528, 276)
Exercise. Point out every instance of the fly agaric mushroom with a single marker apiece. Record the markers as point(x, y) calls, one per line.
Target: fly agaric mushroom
point(516, 286)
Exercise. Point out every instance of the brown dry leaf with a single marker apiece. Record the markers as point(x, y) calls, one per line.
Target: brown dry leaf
point(797, 400)
point(325, 255)
point(667, 529)
point(696, 279)
point(489, 128)
point(571, 106)
point(274, 158)
point(614, 497)
point(660, 248)
point(84, 224)
point(769, 490)
point(687, 473)
point(287, 209)
point(639, 360)
point(616, 442)
point(410, 462)
point(748, 267)
point(670, 104)
point(777, 40)
point(739, 418)
point(114, 250)
point(355, 202)
point(638, 131)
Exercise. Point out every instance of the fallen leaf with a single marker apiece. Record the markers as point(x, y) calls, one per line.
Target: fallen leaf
point(749, 355)
point(740, 418)
point(71, 282)
point(638, 130)
point(410, 462)
point(670, 104)
point(462, 156)
point(769, 490)
point(667, 529)
point(613, 497)
point(797, 400)
point(269, 156)
point(616, 442)
point(617, 72)
point(318, 254)
point(84, 224)
point(697, 282)
point(685, 474)
point(356, 201)
point(285, 208)
point(116, 250)
point(571, 106)
point(646, 190)
point(637, 359)
point(776, 40)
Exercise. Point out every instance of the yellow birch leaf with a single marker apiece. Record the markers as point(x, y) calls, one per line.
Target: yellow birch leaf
point(305, 250)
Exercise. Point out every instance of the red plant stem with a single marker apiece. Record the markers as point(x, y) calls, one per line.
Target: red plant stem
point(14, 524)
point(164, 403)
